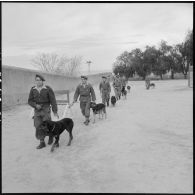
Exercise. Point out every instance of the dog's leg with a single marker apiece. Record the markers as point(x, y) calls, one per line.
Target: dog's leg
point(105, 113)
point(69, 129)
point(56, 143)
point(70, 138)
point(93, 117)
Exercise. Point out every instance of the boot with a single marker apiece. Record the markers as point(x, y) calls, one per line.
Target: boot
point(41, 145)
point(50, 141)
point(86, 121)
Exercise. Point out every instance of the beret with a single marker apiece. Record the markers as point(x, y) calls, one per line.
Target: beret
point(40, 76)
point(104, 77)
point(84, 77)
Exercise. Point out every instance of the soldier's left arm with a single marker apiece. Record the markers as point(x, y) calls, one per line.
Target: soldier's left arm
point(52, 99)
point(109, 87)
point(92, 93)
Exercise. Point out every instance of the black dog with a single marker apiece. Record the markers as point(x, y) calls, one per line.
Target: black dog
point(128, 88)
point(98, 109)
point(124, 92)
point(113, 100)
point(152, 85)
point(55, 128)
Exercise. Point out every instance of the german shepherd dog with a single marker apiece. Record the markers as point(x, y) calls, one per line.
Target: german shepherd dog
point(128, 88)
point(113, 100)
point(98, 109)
point(55, 128)
point(152, 85)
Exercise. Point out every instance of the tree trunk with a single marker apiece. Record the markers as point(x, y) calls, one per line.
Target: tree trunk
point(172, 74)
point(161, 77)
point(185, 75)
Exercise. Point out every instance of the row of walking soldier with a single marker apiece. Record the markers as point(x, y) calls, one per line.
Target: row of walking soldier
point(119, 83)
point(42, 99)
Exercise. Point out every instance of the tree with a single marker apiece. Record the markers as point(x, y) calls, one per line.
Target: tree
point(138, 63)
point(123, 65)
point(189, 47)
point(45, 61)
point(162, 59)
point(51, 62)
point(174, 61)
point(185, 50)
point(69, 66)
point(150, 56)
point(184, 65)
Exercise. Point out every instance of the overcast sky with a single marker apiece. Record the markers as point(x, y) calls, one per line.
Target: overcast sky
point(96, 31)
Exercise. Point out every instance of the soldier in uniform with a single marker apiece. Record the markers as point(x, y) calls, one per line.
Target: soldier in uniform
point(105, 90)
point(87, 94)
point(117, 87)
point(40, 98)
point(147, 82)
point(123, 83)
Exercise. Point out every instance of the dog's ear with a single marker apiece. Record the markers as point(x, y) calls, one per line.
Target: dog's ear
point(44, 124)
point(49, 124)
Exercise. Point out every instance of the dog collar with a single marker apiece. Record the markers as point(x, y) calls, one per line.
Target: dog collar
point(53, 128)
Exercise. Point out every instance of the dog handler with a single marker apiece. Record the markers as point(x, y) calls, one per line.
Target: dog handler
point(87, 94)
point(105, 90)
point(147, 82)
point(117, 87)
point(123, 82)
point(40, 98)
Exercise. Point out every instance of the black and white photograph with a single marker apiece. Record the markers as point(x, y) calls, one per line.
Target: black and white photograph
point(96, 97)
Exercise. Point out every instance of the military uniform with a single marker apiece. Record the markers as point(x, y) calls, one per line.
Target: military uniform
point(117, 87)
point(105, 90)
point(86, 93)
point(147, 82)
point(44, 98)
point(123, 82)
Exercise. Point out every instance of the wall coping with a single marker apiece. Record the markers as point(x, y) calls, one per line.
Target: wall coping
point(47, 73)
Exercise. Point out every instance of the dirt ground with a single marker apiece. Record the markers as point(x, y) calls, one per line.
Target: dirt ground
point(144, 146)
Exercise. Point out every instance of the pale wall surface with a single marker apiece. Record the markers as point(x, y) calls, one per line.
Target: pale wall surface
point(17, 82)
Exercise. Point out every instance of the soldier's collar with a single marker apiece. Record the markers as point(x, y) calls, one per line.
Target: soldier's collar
point(43, 87)
point(84, 84)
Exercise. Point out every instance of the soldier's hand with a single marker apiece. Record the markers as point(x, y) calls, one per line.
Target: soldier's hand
point(38, 107)
point(70, 105)
point(56, 115)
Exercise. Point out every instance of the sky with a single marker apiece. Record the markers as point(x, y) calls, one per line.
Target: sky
point(98, 32)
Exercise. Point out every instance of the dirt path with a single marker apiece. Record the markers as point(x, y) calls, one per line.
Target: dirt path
point(145, 145)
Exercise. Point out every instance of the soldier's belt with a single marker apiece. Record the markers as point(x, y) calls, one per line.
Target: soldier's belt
point(43, 103)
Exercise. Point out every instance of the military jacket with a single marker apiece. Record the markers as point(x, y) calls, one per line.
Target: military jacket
point(105, 87)
point(116, 83)
point(45, 97)
point(86, 93)
point(123, 82)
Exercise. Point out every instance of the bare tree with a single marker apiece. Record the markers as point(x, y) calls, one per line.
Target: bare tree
point(74, 65)
point(57, 64)
point(45, 61)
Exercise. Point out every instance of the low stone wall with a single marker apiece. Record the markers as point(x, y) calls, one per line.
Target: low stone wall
point(17, 82)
